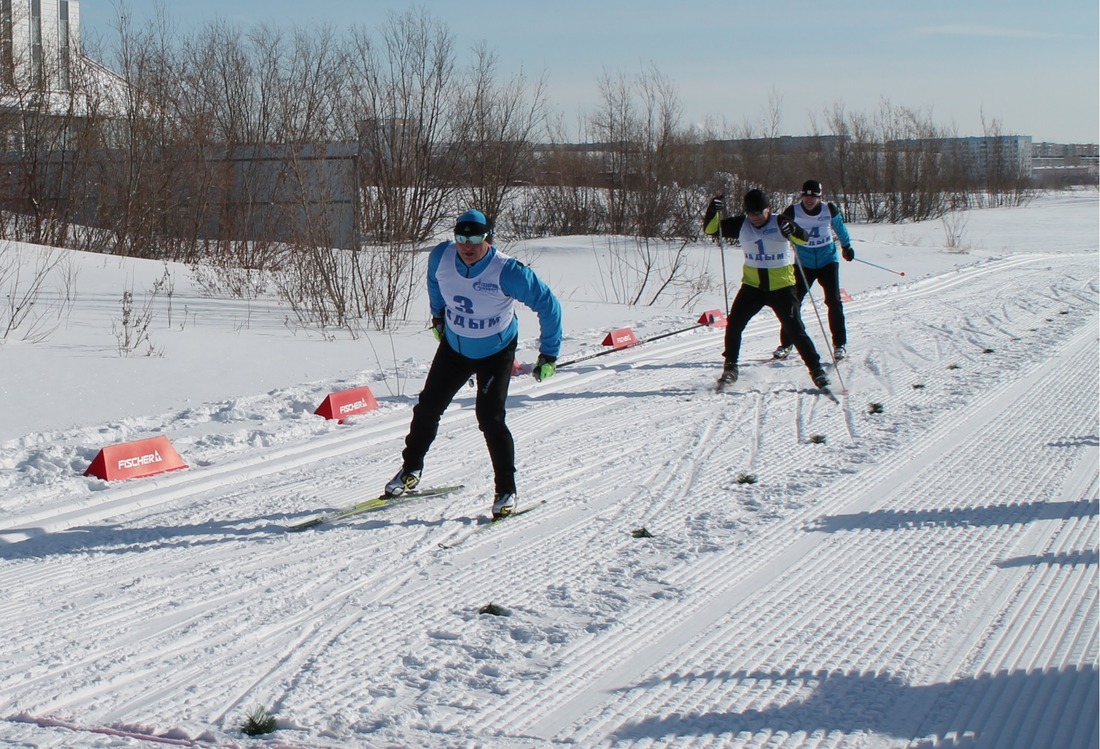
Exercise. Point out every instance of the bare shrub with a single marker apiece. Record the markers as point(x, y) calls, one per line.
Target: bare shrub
point(228, 274)
point(38, 297)
point(560, 210)
point(132, 328)
point(651, 269)
point(954, 229)
point(318, 286)
point(566, 198)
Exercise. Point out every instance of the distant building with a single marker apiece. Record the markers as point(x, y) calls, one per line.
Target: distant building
point(42, 65)
point(783, 144)
point(1010, 154)
point(38, 39)
point(1080, 151)
point(983, 155)
point(1062, 161)
point(1060, 164)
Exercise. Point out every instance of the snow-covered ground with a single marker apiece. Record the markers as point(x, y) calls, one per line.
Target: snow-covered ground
point(921, 576)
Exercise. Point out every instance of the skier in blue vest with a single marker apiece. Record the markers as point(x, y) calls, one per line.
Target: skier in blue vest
point(472, 290)
point(820, 262)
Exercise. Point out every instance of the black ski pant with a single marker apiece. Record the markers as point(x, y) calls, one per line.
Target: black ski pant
point(785, 304)
point(451, 370)
point(829, 278)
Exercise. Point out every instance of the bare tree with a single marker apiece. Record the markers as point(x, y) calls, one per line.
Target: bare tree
point(757, 156)
point(1006, 182)
point(142, 171)
point(329, 160)
point(638, 125)
point(403, 91)
point(494, 134)
point(566, 198)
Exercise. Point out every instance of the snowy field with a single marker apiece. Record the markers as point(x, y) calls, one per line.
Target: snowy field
point(914, 567)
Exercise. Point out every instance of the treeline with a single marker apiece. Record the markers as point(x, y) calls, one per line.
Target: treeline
point(317, 161)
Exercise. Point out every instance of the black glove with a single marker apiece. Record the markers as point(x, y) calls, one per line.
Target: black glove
point(544, 367)
point(713, 215)
point(437, 328)
point(848, 253)
point(786, 227)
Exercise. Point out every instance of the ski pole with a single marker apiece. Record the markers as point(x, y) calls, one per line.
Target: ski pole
point(817, 314)
point(880, 267)
point(632, 345)
point(598, 353)
point(722, 250)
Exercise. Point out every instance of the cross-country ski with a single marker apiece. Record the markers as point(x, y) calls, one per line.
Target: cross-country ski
point(486, 523)
point(370, 505)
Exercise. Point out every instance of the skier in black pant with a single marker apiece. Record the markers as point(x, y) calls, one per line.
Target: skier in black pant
point(819, 261)
point(767, 278)
point(472, 289)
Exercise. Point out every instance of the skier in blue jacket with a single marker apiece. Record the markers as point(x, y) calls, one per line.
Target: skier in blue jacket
point(472, 290)
point(819, 261)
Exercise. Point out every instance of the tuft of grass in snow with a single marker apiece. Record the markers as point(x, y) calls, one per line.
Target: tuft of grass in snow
point(746, 478)
point(817, 439)
point(258, 722)
point(493, 610)
point(875, 408)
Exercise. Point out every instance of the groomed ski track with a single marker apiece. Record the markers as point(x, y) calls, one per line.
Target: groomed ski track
point(871, 588)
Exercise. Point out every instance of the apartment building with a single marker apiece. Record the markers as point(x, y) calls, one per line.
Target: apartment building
point(987, 154)
point(45, 76)
point(38, 42)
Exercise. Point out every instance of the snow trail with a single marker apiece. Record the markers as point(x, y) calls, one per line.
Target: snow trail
point(923, 576)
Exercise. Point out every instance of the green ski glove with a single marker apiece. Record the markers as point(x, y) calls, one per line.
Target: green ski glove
point(544, 367)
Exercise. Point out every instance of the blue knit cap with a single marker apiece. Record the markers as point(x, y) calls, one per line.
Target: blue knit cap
point(472, 223)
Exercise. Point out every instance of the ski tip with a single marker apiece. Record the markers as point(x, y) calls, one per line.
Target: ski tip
point(298, 527)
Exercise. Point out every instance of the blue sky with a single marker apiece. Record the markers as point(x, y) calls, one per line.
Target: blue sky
point(1032, 66)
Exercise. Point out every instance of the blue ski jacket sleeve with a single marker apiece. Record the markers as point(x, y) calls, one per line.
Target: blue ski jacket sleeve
point(839, 228)
point(522, 284)
point(518, 282)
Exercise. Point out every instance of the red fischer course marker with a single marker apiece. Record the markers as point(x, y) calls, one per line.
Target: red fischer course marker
point(345, 403)
point(620, 338)
point(715, 318)
point(131, 460)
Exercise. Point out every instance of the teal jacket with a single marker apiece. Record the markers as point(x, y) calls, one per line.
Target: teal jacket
point(518, 282)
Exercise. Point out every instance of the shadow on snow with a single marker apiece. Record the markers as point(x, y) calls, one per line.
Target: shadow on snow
point(117, 539)
point(1049, 708)
point(1000, 514)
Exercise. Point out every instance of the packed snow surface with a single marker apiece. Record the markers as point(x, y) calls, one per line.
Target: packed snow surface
point(915, 566)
